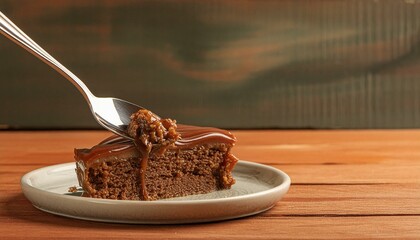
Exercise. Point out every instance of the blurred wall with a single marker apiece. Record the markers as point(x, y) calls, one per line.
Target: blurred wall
point(232, 64)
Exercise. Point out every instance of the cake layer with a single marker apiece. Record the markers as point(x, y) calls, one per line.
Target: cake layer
point(198, 162)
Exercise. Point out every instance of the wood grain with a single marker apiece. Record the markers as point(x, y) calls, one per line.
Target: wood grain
point(243, 64)
point(345, 185)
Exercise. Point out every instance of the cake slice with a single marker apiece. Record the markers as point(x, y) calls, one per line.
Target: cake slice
point(164, 160)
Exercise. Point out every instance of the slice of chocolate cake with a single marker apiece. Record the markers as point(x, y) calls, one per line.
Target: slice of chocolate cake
point(163, 161)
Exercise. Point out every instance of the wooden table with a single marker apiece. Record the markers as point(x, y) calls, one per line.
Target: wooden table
point(345, 184)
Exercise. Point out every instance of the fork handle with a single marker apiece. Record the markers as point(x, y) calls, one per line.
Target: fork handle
point(12, 32)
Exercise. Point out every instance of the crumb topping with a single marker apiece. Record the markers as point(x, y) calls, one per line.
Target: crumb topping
point(152, 132)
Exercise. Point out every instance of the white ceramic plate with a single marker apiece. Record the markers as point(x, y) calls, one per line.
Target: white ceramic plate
point(258, 187)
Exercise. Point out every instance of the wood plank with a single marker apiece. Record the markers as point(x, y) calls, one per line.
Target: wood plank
point(342, 147)
point(374, 191)
point(378, 227)
point(346, 153)
point(343, 64)
point(269, 137)
point(352, 174)
point(350, 200)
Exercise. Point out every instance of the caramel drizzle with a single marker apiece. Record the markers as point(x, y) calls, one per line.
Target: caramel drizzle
point(145, 151)
point(142, 172)
point(193, 135)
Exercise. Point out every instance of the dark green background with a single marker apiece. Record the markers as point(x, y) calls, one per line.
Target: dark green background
point(231, 64)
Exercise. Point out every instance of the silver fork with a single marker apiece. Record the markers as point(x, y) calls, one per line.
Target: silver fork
point(112, 113)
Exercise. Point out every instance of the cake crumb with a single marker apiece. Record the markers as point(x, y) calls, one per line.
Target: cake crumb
point(72, 189)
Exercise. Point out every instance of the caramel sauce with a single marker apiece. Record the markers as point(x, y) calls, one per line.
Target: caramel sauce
point(191, 136)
